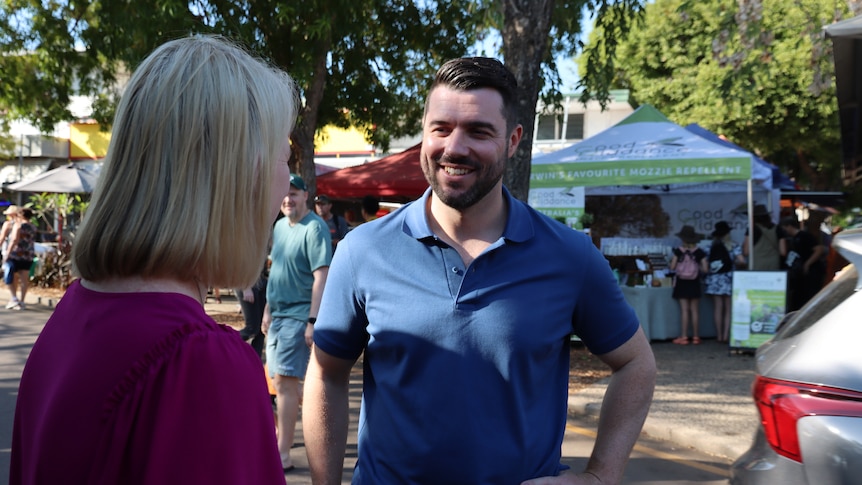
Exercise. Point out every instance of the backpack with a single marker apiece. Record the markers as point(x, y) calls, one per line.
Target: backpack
point(687, 268)
point(719, 258)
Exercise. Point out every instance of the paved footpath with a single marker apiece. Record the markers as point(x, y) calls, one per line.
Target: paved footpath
point(702, 400)
point(18, 331)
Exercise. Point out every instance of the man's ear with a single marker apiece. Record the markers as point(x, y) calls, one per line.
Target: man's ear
point(515, 139)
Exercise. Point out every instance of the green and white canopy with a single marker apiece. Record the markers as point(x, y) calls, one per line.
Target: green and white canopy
point(646, 152)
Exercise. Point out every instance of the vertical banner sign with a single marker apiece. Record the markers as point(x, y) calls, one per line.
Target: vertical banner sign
point(758, 303)
point(563, 204)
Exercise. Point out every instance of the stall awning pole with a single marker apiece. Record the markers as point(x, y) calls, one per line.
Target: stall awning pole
point(750, 224)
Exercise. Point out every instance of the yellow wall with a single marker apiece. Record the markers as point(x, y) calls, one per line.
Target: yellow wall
point(87, 141)
point(334, 141)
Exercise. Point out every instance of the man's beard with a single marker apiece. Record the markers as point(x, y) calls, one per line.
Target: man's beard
point(486, 179)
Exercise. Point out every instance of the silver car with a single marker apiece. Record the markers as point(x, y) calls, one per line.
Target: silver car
point(808, 389)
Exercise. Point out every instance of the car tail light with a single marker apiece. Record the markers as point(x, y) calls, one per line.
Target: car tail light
point(781, 404)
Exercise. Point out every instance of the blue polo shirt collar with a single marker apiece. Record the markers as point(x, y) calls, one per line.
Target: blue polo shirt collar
point(519, 227)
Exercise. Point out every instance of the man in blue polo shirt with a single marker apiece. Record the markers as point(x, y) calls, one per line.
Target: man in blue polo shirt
point(463, 303)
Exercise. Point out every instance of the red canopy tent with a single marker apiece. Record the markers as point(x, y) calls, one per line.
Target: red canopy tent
point(396, 178)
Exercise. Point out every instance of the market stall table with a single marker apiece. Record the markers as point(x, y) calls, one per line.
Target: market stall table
point(659, 313)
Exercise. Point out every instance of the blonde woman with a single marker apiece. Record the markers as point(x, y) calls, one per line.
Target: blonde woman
point(130, 381)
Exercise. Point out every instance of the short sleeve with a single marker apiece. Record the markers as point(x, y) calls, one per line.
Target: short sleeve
point(319, 243)
point(603, 318)
point(340, 329)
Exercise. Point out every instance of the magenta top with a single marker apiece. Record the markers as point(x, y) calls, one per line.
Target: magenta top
point(138, 388)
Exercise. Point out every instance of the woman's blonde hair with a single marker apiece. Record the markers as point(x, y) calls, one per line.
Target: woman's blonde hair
point(185, 188)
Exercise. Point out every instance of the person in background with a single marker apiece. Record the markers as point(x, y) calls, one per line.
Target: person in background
point(465, 322)
point(350, 217)
point(370, 207)
point(252, 302)
point(767, 234)
point(130, 381)
point(337, 225)
point(724, 256)
point(11, 214)
point(6, 229)
point(803, 257)
point(688, 291)
point(301, 253)
point(19, 255)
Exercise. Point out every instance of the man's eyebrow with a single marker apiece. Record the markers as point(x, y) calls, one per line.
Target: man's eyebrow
point(469, 124)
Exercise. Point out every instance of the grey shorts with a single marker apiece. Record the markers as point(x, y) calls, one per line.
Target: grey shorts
point(286, 351)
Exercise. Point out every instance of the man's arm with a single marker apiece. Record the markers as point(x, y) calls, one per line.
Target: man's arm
point(624, 408)
point(320, 275)
point(266, 321)
point(325, 415)
point(816, 253)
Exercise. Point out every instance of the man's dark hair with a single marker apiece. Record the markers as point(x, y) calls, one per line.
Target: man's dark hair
point(27, 213)
point(370, 204)
point(469, 73)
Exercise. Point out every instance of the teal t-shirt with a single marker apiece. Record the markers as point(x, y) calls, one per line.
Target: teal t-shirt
point(297, 251)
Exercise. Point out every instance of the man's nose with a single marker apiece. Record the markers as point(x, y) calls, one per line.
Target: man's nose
point(457, 144)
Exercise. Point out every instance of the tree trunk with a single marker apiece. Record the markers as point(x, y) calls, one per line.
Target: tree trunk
point(302, 139)
point(815, 179)
point(526, 40)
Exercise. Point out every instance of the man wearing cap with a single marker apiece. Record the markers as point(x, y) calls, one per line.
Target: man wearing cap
point(337, 225)
point(300, 255)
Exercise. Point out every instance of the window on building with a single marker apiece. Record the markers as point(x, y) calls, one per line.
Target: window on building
point(547, 129)
point(551, 127)
point(575, 127)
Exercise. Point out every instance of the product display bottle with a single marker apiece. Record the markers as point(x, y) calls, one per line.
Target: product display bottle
point(741, 311)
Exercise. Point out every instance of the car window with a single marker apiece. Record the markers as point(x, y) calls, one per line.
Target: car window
point(843, 287)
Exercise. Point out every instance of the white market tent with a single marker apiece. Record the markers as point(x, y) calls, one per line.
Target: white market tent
point(646, 153)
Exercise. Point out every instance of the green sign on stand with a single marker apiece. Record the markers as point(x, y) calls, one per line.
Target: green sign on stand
point(758, 303)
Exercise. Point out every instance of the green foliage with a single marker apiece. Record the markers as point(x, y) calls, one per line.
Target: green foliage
point(357, 62)
point(762, 78)
point(377, 57)
point(56, 269)
point(57, 265)
point(598, 65)
point(7, 146)
point(48, 206)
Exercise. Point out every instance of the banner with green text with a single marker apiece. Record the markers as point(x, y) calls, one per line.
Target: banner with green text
point(644, 149)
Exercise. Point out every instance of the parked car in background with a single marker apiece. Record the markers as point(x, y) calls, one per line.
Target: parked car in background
point(808, 388)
